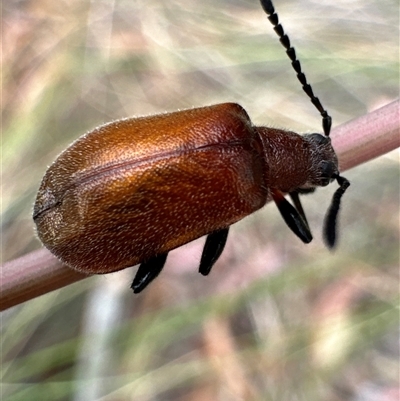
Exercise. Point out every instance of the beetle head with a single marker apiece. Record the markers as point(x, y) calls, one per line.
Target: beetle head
point(324, 161)
point(325, 170)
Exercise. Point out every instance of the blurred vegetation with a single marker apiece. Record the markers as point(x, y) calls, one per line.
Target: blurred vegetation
point(275, 320)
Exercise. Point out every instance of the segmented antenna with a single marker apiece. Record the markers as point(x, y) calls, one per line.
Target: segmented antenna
point(331, 216)
point(284, 39)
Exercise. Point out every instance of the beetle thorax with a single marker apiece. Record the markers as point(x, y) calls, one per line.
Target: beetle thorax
point(296, 162)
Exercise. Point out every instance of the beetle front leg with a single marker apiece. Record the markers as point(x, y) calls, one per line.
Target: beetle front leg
point(294, 196)
point(292, 217)
point(147, 272)
point(215, 244)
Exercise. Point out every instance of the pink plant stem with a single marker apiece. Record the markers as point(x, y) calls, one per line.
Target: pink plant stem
point(364, 138)
point(355, 142)
point(31, 275)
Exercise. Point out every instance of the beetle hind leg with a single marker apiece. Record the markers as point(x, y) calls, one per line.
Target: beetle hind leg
point(215, 244)
point(147, 272)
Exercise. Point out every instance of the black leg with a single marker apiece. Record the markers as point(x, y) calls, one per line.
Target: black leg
point(213, 248)
point(299, 207)
point(292, 217)
point(147, 272)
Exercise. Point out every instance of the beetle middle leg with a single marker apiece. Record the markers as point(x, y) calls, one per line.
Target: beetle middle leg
point(215, 244)
point(147, 272)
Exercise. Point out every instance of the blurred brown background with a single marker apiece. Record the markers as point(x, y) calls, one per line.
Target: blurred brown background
point(276, 319)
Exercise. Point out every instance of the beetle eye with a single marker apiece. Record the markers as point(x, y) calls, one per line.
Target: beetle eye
point(327, 171)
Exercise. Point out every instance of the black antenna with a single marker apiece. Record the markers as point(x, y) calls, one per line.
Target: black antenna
point(331, 216)
point(284, 39)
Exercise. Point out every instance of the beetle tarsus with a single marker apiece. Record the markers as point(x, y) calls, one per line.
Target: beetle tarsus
point(331, 216)
point(215, 244)
point(147, 272)
point(292, 217)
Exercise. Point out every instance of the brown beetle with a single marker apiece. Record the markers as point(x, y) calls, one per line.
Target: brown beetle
point(130, 191)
